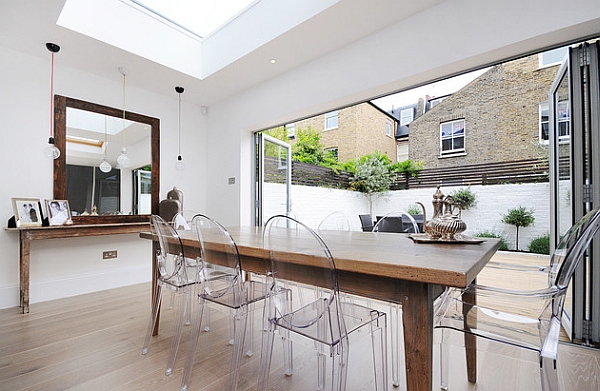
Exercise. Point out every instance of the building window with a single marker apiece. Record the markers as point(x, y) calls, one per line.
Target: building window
point(388, 128)
point(406, 116)
point(332, 152)
point(552, 57)
point(563, 117)
point(452, 137)
point(562, 120)
point(544, 124)
point(331, 120)
point(290, 130)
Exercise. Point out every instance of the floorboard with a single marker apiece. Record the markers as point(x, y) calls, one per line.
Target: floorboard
point(94, 341)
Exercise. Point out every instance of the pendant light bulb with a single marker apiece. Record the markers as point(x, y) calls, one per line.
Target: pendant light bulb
point(51, 151)
point(123, 160)
point(105, 166)
point(180, 165)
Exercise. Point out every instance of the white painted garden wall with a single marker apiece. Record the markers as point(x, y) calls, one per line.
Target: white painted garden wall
point(312, 204)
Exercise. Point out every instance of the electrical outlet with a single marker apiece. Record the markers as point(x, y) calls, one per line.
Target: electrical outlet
point(232, 181)
point(109, 254)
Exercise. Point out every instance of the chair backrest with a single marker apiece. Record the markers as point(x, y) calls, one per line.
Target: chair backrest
point(366, 222)
point(170, 254)
point(282, 237)
point(571, 249)
point(337, 221)
point(395, 222)
point(183, 220)
point(220, 260)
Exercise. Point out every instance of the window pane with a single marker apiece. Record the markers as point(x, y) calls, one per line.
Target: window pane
point(545, 131)
point(331, 120)
point(563, 129)
point(459, 143)
point(447, 145)
point(458, 128)
point(446, 130)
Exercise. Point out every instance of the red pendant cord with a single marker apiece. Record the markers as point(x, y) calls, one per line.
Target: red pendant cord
point(52, 95)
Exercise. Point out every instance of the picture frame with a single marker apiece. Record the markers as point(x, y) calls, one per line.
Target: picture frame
point(27, 212)
point(58, 212)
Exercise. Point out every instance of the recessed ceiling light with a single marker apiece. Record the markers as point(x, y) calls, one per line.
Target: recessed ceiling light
point(273, 60)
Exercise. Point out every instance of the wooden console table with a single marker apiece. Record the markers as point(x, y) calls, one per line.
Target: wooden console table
point(27, 234)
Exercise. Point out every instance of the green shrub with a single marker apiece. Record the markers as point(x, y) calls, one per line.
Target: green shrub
point(519, 217)
point(414, 209)
point(464, 198)
point(490, 234)
point(540, 245)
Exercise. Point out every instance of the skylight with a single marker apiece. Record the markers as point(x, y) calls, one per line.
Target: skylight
point(199, 17)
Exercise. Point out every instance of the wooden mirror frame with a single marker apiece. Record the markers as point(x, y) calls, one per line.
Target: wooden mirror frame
point(60, 165)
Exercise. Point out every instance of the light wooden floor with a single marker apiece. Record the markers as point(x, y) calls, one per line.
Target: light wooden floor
point(93, 342)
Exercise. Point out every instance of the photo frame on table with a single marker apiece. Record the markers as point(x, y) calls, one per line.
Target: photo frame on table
point(27, 212)
point(58, 212)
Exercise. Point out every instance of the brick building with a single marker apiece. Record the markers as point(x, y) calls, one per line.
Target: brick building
point(500, 116)
point(353, 131)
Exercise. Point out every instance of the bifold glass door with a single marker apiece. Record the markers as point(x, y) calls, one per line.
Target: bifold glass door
point(273, 177)
point(575, 179)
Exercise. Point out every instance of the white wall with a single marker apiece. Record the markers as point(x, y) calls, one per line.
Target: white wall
point(312, 204)
point(480, 33)
point(65, 267)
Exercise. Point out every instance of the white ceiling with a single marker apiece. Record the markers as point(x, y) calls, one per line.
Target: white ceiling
point(27, 25)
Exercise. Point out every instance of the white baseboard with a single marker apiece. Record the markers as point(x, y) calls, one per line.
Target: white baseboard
point(40, 291)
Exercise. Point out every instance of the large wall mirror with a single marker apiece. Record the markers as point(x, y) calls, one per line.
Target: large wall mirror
point(88, 134)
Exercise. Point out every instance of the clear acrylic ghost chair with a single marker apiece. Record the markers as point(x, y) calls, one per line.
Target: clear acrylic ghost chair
point(222, 283)
point(324, 323)
point(177, 272)
point(337, 221)
point(477, 311)
point(394, 222)
point(182, 221)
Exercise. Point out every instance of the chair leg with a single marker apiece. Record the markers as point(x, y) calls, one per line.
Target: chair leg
point(182, 313)
point(266, 352)
point(207, 320)
point(153, 317)
point(339, 366)
point(549, 375)
point(444, 360)
point(379, 347)
point(322, 359)
point(398, 374)
point(197, 313)
point(240, 320)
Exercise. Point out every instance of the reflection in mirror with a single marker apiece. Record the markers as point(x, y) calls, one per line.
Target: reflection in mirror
point(90, 134)
point(93, 137)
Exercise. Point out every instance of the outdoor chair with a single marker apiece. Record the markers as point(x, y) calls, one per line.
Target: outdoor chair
point(223, 284)
point(177, 272)
point(366, 222)
point(399, 222)
point(497, 314)
point(324, 323)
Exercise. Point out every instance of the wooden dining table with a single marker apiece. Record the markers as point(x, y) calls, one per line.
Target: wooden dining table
point(385, 266)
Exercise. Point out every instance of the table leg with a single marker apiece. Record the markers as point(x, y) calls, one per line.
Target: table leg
point(24, 252)
point(155, 248)
point(417, 317)
point(469, 299)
